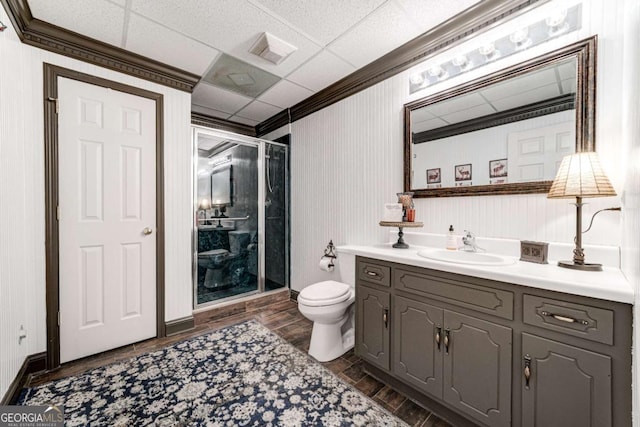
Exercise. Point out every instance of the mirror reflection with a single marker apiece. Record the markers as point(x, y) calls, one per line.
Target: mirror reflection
point(505, 133)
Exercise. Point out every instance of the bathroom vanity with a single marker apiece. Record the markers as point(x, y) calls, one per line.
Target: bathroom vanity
point(480, 351)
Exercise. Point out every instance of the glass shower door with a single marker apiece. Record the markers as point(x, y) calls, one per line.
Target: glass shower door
point(276, 206)
point(227, 218)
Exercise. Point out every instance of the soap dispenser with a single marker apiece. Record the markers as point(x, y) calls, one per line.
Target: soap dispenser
point(451, 240)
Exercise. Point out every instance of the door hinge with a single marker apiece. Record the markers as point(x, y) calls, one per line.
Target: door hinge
point(58, 213)
point(57, 104)
point(58, 318)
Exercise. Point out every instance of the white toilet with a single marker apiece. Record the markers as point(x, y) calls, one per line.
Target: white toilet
point(329, 305)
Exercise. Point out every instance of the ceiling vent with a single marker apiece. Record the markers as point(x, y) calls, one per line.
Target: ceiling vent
point(272, 48)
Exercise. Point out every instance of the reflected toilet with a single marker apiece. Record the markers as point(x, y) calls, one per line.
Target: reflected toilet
point(214, 261)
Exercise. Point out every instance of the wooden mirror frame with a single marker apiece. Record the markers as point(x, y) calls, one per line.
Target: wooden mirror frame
point(585, 53)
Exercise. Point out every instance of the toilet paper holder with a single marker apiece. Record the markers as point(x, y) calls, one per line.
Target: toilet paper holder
point(329, 252)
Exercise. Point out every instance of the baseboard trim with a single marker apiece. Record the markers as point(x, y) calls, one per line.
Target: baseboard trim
point(174, 327)
point(32, 364)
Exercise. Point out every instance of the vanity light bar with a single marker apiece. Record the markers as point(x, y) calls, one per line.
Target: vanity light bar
point(560, 22)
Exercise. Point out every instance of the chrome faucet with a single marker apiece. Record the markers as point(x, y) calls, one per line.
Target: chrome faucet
point(469, 242)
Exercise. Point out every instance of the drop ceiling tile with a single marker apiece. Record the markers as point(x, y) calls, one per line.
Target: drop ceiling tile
point(429, 13)
point(284, 94)
point(428, 124)
point(337, 15)
point(209, 111)
point(322, 70)
point(457, 103)
point(527, 97)
point(231, 26)
point(384, 30)
point(87, 17)
point(258, 111)
point(219, 99)
point(144, 37)
point(528, 81)
point(468, 114)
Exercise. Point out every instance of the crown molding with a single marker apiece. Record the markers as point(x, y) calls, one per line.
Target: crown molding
point(477, 19)
point(200, 119)
point(46, 36)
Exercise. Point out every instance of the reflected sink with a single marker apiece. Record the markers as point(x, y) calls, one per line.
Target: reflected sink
point(462, 257)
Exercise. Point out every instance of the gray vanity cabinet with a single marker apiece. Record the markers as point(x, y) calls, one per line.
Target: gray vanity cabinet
point(418, 344)
point(480, 352)
point(564, 386)
point(477, 368)
point(372, 325)
point(461, 359)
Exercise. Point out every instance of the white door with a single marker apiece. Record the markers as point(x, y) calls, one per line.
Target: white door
point(107, 218)
point(535, 155)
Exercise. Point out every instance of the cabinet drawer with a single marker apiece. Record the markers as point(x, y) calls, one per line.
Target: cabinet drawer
point(476, 297)
point(374, 273)
point(591, 323)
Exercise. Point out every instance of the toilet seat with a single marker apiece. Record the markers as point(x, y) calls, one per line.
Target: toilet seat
point(324, 293)
point(213, 252)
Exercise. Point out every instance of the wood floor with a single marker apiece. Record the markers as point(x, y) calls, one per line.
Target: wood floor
point(284, 319)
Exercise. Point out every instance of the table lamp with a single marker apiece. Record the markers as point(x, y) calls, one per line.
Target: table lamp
point(580, 175)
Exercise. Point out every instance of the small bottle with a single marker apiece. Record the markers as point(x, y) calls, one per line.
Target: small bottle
point(411, 213)
point(451, 240)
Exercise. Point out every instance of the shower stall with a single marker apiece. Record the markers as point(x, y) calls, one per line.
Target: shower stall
point(241, 216)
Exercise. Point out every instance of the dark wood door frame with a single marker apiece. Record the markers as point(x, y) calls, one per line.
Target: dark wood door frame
point(51, 74)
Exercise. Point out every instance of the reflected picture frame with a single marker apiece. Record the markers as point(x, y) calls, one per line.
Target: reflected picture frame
point(463, 172)
point(434, 176)
point(498, 168)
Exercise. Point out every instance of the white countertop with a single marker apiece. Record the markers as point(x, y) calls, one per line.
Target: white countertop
point(609, 284)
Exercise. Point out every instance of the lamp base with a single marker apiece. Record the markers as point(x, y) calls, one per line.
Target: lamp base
point(585, 266)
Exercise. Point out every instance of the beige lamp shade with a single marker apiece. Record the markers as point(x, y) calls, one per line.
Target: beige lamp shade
point(581, 175)
point(205, 204)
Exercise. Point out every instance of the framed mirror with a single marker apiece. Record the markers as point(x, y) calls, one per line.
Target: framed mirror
point(222, 186)
point(505, 133)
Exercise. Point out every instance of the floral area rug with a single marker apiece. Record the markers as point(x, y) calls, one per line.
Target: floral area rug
point(242, 375)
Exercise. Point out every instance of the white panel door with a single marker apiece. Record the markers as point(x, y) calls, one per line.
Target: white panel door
point(107, 218)
point(535, 155)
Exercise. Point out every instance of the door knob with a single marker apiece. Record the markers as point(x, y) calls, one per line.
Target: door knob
point(147, 231)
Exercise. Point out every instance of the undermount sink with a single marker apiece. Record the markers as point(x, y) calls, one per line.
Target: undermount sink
point(462, 257)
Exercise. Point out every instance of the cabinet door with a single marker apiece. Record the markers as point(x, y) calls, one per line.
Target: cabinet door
point(477, 368)
point(568, 386)
point(372, 328)
point(417, 344)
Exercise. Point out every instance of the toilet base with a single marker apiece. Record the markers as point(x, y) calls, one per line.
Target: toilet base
point(328, 342)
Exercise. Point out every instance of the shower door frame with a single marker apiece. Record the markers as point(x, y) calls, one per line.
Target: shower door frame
point(260, 144)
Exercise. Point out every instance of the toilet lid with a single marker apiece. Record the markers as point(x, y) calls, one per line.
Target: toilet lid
point(324, 293)
point(213, 252)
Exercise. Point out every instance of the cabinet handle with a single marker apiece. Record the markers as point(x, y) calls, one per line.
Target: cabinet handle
point(438, 332)
point(527, 370)
point(562, 318)
point(447, 339)
point(371, 273)
point(385, 317)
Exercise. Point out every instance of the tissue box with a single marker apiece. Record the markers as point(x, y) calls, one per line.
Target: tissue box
point(392, 212)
